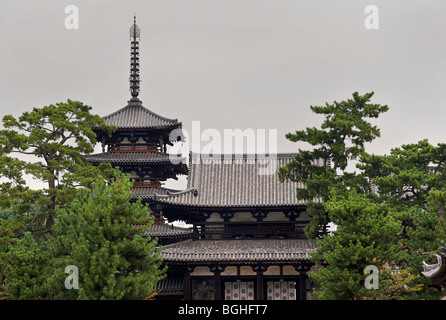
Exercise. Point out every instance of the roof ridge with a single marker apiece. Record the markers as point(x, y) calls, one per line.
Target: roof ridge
point(157, 115)
point(133, 152)
point(141, 107)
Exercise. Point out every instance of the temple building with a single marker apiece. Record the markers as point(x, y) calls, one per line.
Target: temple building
point(246, 240)
point(249, 240)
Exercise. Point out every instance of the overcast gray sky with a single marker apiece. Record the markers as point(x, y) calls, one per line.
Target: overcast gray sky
point(233, 63)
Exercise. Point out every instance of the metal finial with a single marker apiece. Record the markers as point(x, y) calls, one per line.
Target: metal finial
point(134, 61)
point(134, 29)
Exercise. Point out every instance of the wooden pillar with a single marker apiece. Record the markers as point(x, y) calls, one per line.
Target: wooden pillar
point(187, 285)
point(260, 288)
point(303, 285)
point(260, 293)
point(217, 281)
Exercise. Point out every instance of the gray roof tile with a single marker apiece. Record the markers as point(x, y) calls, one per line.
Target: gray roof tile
point(130, 158)
point(165, 230)
point(236, 182)
point(239, 250)
point(135, 116)
point(149, 192)
point(172, 284)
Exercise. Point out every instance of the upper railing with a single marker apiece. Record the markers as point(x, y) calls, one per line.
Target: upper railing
point(146, 183)
point(134, 147)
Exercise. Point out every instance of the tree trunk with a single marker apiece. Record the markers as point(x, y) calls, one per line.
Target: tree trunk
point(441, 210)
point(51, 207)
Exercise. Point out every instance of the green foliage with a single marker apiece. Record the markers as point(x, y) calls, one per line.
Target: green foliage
point(12, 228)
point(75, 219)
point(96, 233)
point(407, 175)
point(341, 138)
point(57, 138)
point(412, 178)
point(366, 230)
point(395, 283)
point(24, 270)
point(423, 239)
point(400, 226)
point(344, 121)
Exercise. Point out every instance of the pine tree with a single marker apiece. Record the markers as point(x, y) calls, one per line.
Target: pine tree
point(52, 142)
point(411, 184)
point(395, 283)
point(24, 270)
point(16, 246)
point(412, 178)
point(366, 235)
point(340, 139)
point(407, 175)
point(423, 238)
point(97, 234)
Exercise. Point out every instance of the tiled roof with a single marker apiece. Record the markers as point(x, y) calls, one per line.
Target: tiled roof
point(135, 116)
point(163, 230)
point(239, 250)
point(149, 192)
point(236, 182)
point(172, 284)
point(130, 158)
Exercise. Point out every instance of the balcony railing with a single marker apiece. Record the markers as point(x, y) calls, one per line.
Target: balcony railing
point(253, 230)
point(146, 182)
point(134, 147)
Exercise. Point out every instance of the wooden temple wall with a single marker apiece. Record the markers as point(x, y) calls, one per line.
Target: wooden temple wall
point(243, 282)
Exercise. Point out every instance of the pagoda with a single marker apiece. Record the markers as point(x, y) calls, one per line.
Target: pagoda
point(139, 145)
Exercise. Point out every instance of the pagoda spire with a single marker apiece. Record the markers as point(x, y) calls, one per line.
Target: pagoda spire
point(134, 61)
